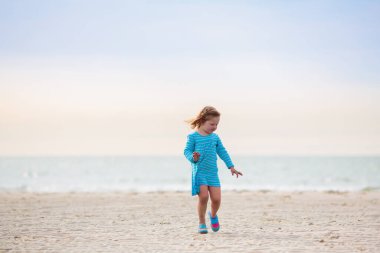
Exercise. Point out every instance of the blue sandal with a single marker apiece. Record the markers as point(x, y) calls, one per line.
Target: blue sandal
point(202, 229)
point(214, 222)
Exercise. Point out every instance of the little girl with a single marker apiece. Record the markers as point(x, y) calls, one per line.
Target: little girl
point(201, 149)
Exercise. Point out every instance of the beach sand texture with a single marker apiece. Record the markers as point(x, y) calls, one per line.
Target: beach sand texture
point(167, 222)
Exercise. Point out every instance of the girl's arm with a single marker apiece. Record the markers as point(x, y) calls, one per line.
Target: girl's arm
point(223, 154)
point(189, 149)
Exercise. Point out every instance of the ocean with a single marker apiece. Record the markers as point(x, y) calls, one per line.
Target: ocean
point(173, 173)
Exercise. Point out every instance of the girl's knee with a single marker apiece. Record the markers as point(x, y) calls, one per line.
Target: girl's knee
point(203, 198)
point(216, 201)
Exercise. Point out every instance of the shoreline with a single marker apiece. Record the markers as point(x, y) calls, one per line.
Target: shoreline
point(366, 189)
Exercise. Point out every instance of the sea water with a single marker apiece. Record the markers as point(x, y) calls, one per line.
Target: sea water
point(173, 173)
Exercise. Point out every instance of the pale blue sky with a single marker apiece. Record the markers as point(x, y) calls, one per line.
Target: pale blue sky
point(119, 77)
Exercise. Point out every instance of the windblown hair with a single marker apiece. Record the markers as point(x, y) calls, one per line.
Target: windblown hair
point(207, 113)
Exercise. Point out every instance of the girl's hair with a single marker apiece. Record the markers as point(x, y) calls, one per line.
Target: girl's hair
point(204, 115)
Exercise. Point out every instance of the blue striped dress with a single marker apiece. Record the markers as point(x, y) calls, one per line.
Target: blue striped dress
point(205, 170)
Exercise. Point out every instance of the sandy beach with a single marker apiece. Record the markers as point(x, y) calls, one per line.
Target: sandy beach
point(167, 222)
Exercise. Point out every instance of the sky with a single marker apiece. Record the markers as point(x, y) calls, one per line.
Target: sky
point(121, 77)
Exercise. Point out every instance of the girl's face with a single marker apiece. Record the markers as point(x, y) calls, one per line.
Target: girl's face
point(210, 125)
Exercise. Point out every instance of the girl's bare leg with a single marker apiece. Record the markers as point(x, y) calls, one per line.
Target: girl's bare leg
point(202, 203)
point(216, 197)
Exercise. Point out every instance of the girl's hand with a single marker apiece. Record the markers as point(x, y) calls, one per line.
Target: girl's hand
point(233, 171)
point(196, 156)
